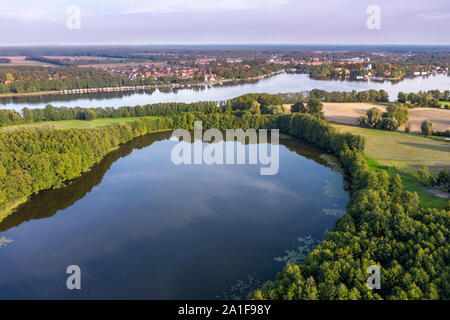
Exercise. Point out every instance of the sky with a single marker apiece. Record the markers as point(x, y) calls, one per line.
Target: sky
point(30, 22)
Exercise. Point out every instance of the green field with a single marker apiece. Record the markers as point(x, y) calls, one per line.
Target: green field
point(404, 153)
point(75, 124)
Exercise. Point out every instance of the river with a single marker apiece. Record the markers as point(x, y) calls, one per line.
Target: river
point(282, 83)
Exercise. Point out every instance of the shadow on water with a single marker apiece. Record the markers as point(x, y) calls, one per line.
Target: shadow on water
point(47, 203)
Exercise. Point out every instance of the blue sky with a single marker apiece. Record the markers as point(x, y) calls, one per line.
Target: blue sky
point(225, 22)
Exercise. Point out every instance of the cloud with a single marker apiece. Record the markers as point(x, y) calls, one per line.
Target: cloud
point(174, 6)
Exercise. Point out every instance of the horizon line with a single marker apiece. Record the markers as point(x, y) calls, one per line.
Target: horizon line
point(219, 44)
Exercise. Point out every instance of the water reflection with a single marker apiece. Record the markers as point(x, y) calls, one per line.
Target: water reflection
point(48, 202)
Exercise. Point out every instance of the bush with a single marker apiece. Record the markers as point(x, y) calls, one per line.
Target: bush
point(398, 112)
point(427, 128)
point(90, 115)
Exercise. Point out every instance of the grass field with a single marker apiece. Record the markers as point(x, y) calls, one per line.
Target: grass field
point(406, 153)
point(75, 124)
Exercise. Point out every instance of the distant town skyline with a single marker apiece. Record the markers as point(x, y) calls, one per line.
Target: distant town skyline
point(223, 22)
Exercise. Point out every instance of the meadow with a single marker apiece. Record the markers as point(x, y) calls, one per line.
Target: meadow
point(75, 124)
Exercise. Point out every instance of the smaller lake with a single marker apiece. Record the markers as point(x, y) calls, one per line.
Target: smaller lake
point(282, 83)
point(141, 227)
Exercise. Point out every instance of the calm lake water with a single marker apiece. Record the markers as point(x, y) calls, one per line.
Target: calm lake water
point(282, 83)
point(141, 227)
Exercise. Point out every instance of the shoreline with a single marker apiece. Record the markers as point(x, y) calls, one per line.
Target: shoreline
point(9, 209)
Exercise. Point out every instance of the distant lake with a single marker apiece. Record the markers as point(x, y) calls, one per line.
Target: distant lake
point(282, 83)
point(141, 227)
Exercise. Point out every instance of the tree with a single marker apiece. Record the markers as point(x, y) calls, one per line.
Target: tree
point(423, 174)
point(372, 119)
point(443, 178)
point(401, 97)
point(255, 108)
point(298, 107)
point(2, 172)
point(275, 109)
point(398, 112)
point(90, 115)
point(427, 128)
point(315, 108)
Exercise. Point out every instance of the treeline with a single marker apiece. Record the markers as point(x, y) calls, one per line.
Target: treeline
point(21, 79)
point(384, 226)
point(260, 103)
point(68, 62)
point(317, 94)
point(353, 96)
point(430, 99)
point(58, 62)
point(22, 73)
point(51, 113)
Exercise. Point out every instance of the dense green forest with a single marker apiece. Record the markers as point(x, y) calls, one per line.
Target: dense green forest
point(384, 224)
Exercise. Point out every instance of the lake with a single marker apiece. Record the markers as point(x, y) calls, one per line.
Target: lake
point(282, 83)
point(142, 227)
